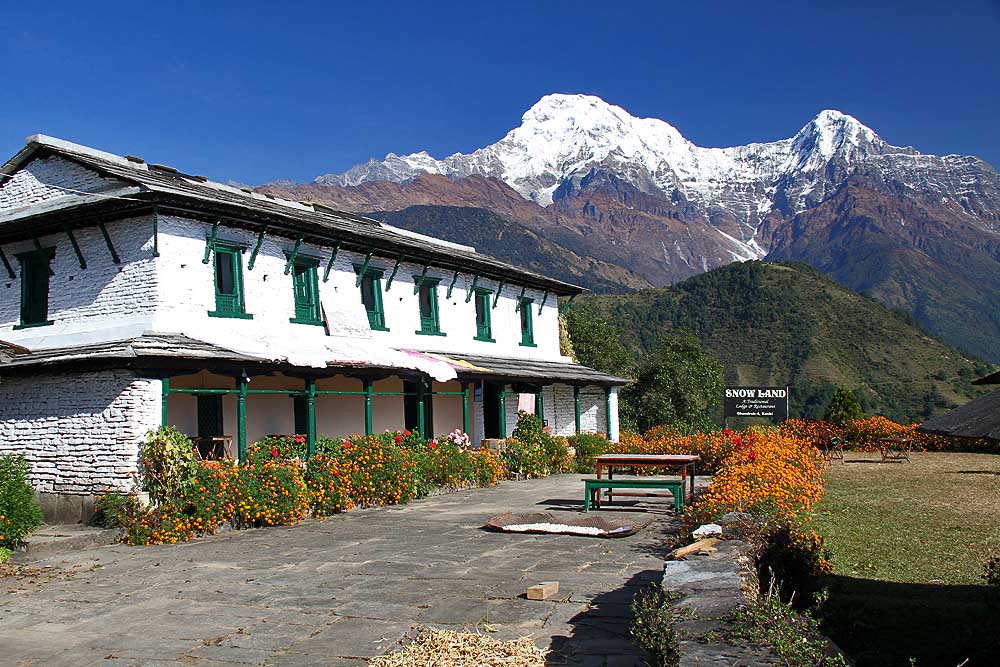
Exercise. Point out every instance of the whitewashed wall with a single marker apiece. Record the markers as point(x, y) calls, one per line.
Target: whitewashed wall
point(268, 297)
point(80, 431)
point(49, 178)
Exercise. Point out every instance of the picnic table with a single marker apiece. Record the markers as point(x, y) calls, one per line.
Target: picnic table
point(895, 449)
point(684, 462)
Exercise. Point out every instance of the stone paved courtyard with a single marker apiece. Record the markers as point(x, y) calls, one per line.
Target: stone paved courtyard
point(336, 591)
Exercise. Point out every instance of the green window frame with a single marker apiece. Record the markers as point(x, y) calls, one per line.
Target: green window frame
point(36, 268)
point(227, 266)
point(427, 302)
point(527, 322)
point(484, 325)
point(371, 297)
point(305, 290)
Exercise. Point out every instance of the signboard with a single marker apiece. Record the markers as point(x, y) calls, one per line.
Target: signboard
point(768, 402)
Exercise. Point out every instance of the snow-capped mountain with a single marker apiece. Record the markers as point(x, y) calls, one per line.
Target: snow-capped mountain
point(564, 139)
point(920, 232)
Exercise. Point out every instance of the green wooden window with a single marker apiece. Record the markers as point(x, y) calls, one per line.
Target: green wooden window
point(305, 286)
point(484, 329)
point(371, 297)
point(35, 272)
point(527, 324)
point(229, 282)
point(430, 324)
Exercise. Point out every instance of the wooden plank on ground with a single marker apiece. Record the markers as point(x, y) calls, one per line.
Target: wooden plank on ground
point(543, 591)
point(707, 546)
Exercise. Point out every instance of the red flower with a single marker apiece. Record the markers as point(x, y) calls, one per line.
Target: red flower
point(737, 440)
point(399, 439)
point(752, 455)
point(434, 443)
point(274, 452)
point(300, 439)
point(336, 473)
point(406, 433)
point(727, 432)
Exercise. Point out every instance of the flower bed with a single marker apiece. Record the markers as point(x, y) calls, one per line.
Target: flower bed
point(277, 485)
point(863, 434)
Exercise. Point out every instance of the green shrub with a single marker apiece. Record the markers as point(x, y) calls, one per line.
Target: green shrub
point(19, 512)
point(167, 465)
point(116, 510)
point(795, 637)
point(442, 463)
point(273, 493)
point(792, 562)
point(652, 627)
point(328, 479)
point(588, 446)
point(283, 447)
point(843, 407)
point(534, 452)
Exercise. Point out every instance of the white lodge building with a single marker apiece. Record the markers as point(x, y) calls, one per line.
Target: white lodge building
point(133, 295)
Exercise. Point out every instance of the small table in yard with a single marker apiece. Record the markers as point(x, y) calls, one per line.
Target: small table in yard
point(611, 461)
point(895, 449)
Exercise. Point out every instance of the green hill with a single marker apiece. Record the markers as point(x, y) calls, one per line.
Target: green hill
point(786, 323)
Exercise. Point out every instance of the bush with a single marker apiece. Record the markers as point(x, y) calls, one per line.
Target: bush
point(588, 446)
point(791, 563)
point(382, 472)
point(161, 525)
point(168, 465)
point(443, 464)
point(844, 407)
point(533, 451)
point(269, 494)
point(796, 638)
point(488, 468)
point(19, 512)
point(329, 480)
point(652, 628)
point(116, 510)
point(284, 447)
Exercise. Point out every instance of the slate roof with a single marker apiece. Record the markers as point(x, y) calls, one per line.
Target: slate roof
point(976, 419)
point(527, 369)
point(168, 188)
point(153, 349)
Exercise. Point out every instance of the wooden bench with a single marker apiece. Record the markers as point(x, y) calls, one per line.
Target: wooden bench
point(594, 486)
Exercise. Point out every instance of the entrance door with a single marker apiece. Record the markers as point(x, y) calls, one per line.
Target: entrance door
point(411, 409)
point(210, 416)
point(491, 410)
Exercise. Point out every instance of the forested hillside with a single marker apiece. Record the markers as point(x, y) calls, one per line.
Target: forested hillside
point(785, 323)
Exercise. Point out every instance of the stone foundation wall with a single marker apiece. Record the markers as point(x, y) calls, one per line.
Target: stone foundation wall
point(79, 431)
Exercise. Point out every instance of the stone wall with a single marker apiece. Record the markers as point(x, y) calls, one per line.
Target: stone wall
point(48, 178)
point(79, 431)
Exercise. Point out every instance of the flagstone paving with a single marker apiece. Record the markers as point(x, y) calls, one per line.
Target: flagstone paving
point(337, 591)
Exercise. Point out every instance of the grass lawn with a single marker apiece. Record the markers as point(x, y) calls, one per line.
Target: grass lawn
point(908, 541)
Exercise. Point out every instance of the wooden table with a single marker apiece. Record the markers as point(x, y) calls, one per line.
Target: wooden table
point(895, 449)
point(685, 462)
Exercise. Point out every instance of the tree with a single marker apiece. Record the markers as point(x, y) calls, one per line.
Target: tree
point(678, 384)
point(843, 407)
point(598, 343)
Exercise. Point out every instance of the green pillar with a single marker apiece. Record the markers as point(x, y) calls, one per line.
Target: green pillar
point(503, 411)
point(165, 388)
point(539, 406)
point(311, 417)
point(576, 407)
point(241, 417)
point(466, 424)
point(421, 407)
point(607, 412)
point(369, 428)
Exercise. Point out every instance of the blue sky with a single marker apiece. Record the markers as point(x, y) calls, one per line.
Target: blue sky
point(260, 91)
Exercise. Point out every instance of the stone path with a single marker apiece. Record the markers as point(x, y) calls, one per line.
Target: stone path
point(337, 591)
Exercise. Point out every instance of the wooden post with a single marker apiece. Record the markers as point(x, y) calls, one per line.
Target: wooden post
point(241, 417)
point(576, 407)
point(607, 411)
point(466, 422)
point(165, 389)
point(421, 409)
point(539, 406)
point(369, 428)
point(503, 411)
point(311, 417)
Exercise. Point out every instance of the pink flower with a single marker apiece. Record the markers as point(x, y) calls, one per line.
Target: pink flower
point(399, 439)
point(274, 452)
point(300, 439)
